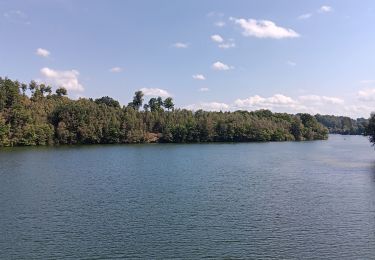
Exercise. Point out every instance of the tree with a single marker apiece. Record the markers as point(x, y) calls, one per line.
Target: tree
point(137, 100)
point(61, 92)
point(32, 86)
point(107, 101)
point(48, 90)
point(24, 88)
point(370, 129)
point(155, 104)
point(160, 102)
point(168, 103)
point(296, 129)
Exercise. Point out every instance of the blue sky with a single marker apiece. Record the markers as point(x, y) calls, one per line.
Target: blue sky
point(287, 56)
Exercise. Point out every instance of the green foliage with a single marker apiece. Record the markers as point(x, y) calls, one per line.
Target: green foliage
point(370, 129)
point(343, 125)
point(45, 119)
point(168, 103)
point(137, 100)
point(61, 92)
point(107, 101)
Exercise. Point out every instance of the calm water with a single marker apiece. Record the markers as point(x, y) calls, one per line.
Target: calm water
point(288, 200)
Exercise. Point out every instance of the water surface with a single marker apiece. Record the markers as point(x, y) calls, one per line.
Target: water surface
point(289, 200)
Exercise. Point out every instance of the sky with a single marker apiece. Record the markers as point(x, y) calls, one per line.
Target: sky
point(286, 56)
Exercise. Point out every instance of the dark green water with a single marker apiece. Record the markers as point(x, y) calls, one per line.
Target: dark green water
point(292, 200)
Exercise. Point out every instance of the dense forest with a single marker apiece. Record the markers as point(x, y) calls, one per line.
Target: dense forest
point(343, 125)
point(30, 114)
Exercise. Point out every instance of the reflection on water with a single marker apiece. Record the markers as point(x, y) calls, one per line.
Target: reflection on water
point(292, 200)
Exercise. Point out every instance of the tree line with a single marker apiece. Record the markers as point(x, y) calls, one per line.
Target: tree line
point(343, 125)
point(31, 114)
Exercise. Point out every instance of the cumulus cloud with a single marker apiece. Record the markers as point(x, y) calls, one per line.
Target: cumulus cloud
point(180, 45)
point(322, 99)
point(42, 52)
point(357, 110)
point(291, 63)
point(204, 89)
point(222, 43)
point(275, 101)
point(157, 92)
point(217, 38)
point(305, 16)
point(367, 94)
point(313, 104)
point(66, 78)
point(221, 66)
point(209, 106)
point(264, 29)
point(115, 69)
point(325, 9)
point(199, 77)
point(280, 103)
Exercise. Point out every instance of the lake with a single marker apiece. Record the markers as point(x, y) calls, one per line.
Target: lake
point(289, 200)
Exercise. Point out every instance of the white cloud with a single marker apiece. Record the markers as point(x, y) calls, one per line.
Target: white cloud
point(274, 101)
point(199, 77)
point(204, 89)
point(209, 106)
point(220, 24)
point(115, 69)
point(357, 110)
point(280, 103)
point(222, 43)
point(313, 104)
point(305, 16)
point(367, 94)
point(217, 38)
point(42, 52)
point(227, 45)
point(221, 66)
point(180, 45)
point(322, 99)
point(67, 78)
point(325, 9)
point(264, 29)
point(291, 63)
point(157, 92)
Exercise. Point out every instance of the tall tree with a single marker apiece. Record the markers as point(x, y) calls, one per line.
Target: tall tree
point(138, 100)
point(107, 101)
point(61, 92)
point(168, 103)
